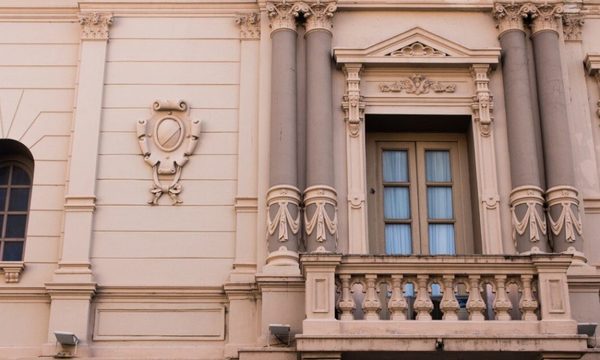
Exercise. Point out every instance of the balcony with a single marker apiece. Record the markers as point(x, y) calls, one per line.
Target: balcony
point(477, 303)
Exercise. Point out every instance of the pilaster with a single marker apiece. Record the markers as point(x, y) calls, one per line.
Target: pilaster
point(487, 180)
point(246, 202)
point(354, 108)
point(73, 285)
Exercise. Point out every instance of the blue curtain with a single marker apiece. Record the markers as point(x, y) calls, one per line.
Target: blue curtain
point(398, 239)
point(439, 202)
point(441, 239)
point(437, 165)
point(395, 166)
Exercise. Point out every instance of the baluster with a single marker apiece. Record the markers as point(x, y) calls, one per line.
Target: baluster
point(371, 305)
point(397, 304)
point(449, 304)
point(475, 304)
point(423, 303)
point(502, 304)
point(528, 304)
point(346, 303)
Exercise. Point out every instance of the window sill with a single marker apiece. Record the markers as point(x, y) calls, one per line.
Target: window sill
point(12, 270)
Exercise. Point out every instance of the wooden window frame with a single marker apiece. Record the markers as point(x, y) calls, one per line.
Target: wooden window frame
point(416, 144)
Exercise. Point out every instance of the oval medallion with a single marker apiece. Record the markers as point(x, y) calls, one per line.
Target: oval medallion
point(169, 133)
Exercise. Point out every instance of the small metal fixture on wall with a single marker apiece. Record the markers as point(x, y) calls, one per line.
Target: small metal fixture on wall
point(167, 140)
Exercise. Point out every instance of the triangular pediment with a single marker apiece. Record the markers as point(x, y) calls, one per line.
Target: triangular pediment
point(417, 45)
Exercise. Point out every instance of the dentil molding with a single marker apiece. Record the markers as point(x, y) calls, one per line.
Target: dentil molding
point(94, 26)
point(167, 140)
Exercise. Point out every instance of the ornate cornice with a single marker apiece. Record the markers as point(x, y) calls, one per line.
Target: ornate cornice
point(249, 25)
point(94, 26)
point(546, 17)
point(572, 24)
point(510, 16)
point(320, 15)
point(283, 14)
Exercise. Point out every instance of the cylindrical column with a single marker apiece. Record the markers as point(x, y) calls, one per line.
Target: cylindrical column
point(561, 195)
point(320, 197)
point(527, 201)
point(283, 197)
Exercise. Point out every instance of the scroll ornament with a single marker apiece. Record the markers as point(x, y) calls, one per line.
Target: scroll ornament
point(167, 140)
point(417, 84)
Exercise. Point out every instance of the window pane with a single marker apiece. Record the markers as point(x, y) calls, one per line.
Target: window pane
point(15, 226)
point(18, 199)
point(437, 165)
point(20, 177)
point(4, 175)
point(2, 199)
point(439, 202)
point(441, 239)
point(396, 203)
point(13, 251)
point(395, 166)
point(398, 239)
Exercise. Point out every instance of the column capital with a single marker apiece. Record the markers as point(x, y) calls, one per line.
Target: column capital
point(94, 25)
point(546, 17)
point(572, 24)
point(283, 14)
point(249, 25)
point(320, 15)
point(510, 16)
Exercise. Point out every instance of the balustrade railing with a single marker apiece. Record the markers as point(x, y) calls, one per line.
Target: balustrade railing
point(474, 288)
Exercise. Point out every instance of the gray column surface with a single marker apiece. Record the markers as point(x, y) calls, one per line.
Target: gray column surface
point(283, 155)
point(521, 136)
point(555, 128)
point(319, 149)
point(553, 110)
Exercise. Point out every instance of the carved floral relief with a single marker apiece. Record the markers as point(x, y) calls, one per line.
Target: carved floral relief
point(167, 140)
point(417, 84)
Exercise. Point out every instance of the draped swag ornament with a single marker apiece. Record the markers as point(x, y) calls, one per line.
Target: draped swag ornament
point(531, 197)
point(321, 197)
point(283, 196)
point(566, 198)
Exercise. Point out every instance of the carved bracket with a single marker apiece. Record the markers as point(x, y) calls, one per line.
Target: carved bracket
point(353, 104)
point(12, 271)
point(167, 140)
point(483, 102)
point(417, 84)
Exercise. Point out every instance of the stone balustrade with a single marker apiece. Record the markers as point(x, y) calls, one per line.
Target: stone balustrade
point(474, 296)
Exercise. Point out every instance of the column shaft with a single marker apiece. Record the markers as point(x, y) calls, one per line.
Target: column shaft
point(527, 201)
point(561, 195)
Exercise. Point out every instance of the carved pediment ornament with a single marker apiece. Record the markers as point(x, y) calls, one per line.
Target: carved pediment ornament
point(94, 26)
point(249, 25)
point(417, 84)
point(167, 140)
point(283, 14)
point(572, 24)
point(417, 49)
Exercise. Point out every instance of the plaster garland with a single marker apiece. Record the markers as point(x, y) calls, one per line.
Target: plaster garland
point(321, 197)
point(532, 197)
point(249, 25)
point(161, 139)
point(94, 26)
point(566, 198)
point(283, 196)
point(417, 84)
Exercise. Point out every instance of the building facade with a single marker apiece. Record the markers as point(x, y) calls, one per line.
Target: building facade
point(300, 179)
